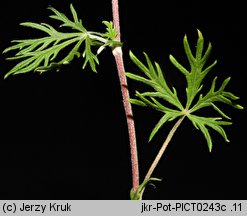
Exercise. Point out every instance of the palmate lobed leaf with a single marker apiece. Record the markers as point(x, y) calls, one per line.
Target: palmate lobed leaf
point(41, 54)
point(194, 77)
point(38, 54)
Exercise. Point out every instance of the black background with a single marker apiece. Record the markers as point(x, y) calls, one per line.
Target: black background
point(64, 136)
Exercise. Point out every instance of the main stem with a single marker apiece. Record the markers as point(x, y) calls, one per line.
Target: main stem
point(117, 52)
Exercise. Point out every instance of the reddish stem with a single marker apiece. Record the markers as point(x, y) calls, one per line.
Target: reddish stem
point(117, 52)
point(115, 14)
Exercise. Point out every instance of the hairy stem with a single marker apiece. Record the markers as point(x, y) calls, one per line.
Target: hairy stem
point(117, 52)
point(162, 150)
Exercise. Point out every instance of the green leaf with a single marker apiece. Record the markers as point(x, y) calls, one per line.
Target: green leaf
point(111, 31)
point(220, 112)
point(42, 54)
point(75, 24)
point(215, 123)
point(197, 73)
point(154, 103)
point(75, 17)
point(137, 102)
point(216, 96)
point(89, 56)
point(139, 78)
point(169, 116)
point(152, 76)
